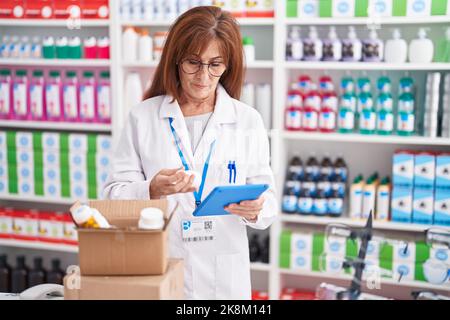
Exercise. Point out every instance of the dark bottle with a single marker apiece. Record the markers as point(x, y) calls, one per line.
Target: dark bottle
point(255, 248)
point(37, 275)
point(5, 274)
point(265, 250)
point(296, 167)
point(340, 169)
point(19, 276)
point(326, 167)
point(312, 167)
point(55, 275)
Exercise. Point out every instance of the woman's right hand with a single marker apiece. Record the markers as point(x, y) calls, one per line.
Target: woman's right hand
point(171, 181)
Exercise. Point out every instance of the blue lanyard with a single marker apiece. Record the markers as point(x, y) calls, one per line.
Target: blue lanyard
point(197, 195)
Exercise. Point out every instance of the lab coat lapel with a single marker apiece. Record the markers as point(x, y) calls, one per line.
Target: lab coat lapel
point(171, 109)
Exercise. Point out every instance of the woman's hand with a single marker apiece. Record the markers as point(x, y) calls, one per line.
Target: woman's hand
point(249, 209)
point(171, 181)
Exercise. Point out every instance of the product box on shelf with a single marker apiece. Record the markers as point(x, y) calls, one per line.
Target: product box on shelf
point(70, 235)
point(301, 261)
point(423, 206)
point(6, 223)
point(343, 8)
point(441, 254)
point(296, 294)
point(303, 8)
point(403, 271)
point(25, 225)
point(418, 8)
point(259, 295)
point(380, 8)
point(39, 9)
point(124, 250)
point(402, 204)
point(404, 251)
point(95, 9)
point(64, 9)
point(51, 227)
point(403, 168)
point(12, 9)
point(443, 170)
point(424, 170)
point(301, 242)
point(442, 207)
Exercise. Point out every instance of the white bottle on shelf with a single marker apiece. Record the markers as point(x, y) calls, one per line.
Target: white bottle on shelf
point(396, 50)
point(312, 46)
point(332, 47)
point(125, 10)
point(136, 10)
point(133, 91)
point(352, 46)
point(421, 50)
point(129, 44)
point(264, 102)
point(248, 94)
point(249, 49)
point(148, 10)
point(145, 46)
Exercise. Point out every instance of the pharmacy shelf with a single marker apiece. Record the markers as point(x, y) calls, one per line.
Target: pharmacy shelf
point(386, 281)
point(367, 21)
point(257, 64)
point(362, 138)
point(39, 199)
point(56, 62)
point(54, 23)
point(241, 21)
point(380, 225)
point(63, 126)
point(38, 245)
point(260, 266)
point(326, 65)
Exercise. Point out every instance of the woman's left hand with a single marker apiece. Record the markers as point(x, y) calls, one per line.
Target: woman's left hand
point(249, 209)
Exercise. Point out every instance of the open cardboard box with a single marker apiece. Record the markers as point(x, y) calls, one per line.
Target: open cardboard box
point(124, 249)
point(169, 286)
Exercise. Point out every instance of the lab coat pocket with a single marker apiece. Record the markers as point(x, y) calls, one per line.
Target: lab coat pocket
point(232, 276)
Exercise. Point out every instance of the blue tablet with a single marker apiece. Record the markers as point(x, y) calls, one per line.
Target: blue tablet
point(222, 196)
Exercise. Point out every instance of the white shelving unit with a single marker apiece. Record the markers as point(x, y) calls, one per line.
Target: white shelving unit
point(56, 62)
point(39, 245)
point(357, 147)
point(38, 199)
point(55, 23)
point(63, 126)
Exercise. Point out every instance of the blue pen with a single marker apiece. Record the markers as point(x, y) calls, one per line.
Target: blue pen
point(234, 169)
point(230, 168)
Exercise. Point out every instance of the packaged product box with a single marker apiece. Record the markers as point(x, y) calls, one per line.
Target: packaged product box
point(442, 207)
point(418, 8)
point(380, 8)
point(51, 227)
point(6, 223)
point(424, 170)
point(64, 8)
point(439, 7)
point(42, 9)
point(168, 286)
point(423, 206)
point(260, 295)
point(443, 171)
point(336, 246)
point(12, 9)
point(402, 204)
point(343, 8)
point(296, 294)
point(404, 251)
point(25, 225)
point(3, 178)
point(403, 169)
point(403, 271)
point(70, 235)
point(301, 261)
point(94, 9)
point(50, 142)
point(260, 8)
point(307, 9)
point(301, 242)
point(124, 250)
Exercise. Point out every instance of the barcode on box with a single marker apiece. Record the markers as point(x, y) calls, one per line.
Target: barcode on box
point(195, 239)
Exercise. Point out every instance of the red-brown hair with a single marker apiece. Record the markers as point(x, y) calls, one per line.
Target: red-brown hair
point(191, 34)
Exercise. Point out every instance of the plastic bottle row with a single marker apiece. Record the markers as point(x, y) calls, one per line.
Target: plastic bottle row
point(138, 45)
point(259, 96)
point(372, 49)
point(22, 277)
point(55, 95)
point(48, 48)
point(54, 9)
point(157, 10)
point(370, 196)
point(311, 109)
point(317, 188)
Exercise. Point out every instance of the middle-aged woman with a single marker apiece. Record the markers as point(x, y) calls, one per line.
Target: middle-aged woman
point(191, 119)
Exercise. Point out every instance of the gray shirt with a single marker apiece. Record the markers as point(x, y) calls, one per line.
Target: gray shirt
point(196, 126)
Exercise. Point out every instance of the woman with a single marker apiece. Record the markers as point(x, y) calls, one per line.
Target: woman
point(190, 119)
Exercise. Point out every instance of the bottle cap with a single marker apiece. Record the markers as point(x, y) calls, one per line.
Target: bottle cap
point(37, 73)
point(71, 74)
point(151, 218)
point(104, 74)
point(54, 74)
point(247, 40)
point(88, 74)
point(21, 73)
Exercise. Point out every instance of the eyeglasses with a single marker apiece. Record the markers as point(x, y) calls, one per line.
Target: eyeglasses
point(192, 66)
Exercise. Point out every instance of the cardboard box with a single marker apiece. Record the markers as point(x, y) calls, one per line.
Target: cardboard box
point(124, 250)
point(169, 286)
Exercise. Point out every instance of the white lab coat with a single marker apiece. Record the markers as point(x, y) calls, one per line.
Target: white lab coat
point(220, 268)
